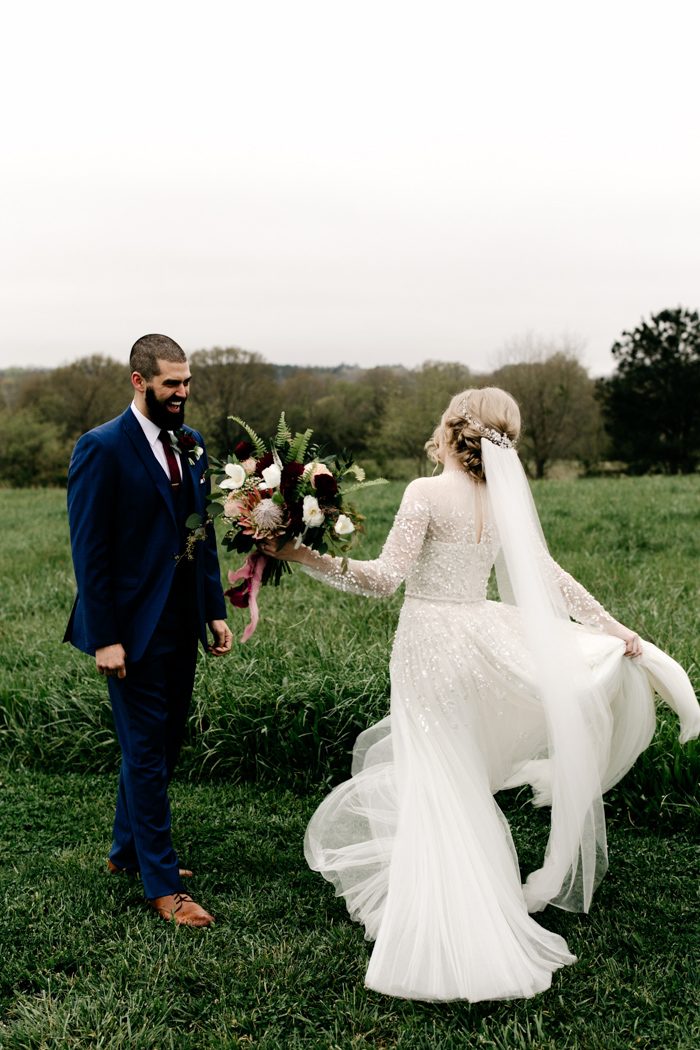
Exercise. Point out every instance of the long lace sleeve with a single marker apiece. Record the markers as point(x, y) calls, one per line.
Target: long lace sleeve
point(381, 577)
point(581, 605)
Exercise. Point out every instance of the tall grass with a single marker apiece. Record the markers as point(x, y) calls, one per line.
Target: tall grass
point(286, 707)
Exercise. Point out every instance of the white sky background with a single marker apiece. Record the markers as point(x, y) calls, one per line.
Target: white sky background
point(365, 182)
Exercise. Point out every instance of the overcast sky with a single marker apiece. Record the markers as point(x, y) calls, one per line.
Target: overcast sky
point(365, 182)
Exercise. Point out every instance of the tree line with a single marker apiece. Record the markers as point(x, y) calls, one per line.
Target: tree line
point(643, 417)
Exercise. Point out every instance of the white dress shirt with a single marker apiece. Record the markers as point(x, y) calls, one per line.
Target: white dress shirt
point(152, 433)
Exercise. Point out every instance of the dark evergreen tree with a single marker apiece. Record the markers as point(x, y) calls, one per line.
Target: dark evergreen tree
point(650, 403)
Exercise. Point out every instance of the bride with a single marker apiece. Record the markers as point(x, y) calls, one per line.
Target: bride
point(484, 695)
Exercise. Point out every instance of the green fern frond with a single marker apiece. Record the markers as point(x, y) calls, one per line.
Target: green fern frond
point(257, 442)
point(283, 432)
point(298, 447)
point(363, 485)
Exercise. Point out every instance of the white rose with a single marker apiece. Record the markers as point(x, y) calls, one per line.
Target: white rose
point(235, 476)
point(272, 476)
point(343, 525)
point(312, 513)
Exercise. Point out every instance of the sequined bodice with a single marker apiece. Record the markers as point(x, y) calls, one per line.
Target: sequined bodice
point(455, 569)
point(443, 543)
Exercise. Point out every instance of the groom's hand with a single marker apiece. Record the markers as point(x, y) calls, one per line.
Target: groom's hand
point(222, 638)
point(111, 660)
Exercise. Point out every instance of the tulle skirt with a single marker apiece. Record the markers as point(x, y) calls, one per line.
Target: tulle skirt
point(415, 841)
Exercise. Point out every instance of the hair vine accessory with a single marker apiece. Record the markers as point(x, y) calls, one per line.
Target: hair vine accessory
point(496, 437)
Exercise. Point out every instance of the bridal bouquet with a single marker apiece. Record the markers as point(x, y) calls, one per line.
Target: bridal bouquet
point(286, 492)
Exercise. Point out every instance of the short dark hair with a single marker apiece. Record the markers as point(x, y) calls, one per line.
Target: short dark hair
point(148, 349)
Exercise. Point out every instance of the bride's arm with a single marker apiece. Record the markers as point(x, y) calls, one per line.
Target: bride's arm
point(380, 577)
point(584, 608)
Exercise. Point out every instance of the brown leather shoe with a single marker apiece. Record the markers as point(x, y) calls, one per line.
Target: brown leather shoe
point(179, 908)
point(112, 868)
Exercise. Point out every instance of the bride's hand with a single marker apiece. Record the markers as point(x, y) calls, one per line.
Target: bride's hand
point(633, 643)
point(289, 552)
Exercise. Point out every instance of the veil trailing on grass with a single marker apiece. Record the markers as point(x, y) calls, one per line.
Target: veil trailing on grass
point(578, 719)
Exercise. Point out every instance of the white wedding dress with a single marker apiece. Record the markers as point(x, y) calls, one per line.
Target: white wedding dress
point(415, 841)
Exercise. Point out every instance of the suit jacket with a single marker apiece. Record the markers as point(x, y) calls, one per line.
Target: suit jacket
point(125, 539)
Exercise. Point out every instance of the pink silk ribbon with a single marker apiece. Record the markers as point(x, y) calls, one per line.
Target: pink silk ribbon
point(251, 570)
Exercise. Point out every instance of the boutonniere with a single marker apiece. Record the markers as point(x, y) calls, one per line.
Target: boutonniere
point(186, 445)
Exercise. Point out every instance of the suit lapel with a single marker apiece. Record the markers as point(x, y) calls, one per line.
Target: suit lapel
point(193, 472)
point(144, 451)
point(188, 483)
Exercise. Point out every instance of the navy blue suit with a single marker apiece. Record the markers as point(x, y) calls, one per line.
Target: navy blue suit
point(127, 533)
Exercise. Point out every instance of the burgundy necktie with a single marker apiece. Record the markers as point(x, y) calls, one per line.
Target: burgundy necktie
point(171, 458)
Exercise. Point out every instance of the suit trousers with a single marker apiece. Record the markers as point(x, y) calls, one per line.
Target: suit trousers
point(149, 707)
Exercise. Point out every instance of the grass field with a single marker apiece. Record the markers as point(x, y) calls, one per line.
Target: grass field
point(86, 965)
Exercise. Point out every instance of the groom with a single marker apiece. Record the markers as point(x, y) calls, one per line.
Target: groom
point(142, 605)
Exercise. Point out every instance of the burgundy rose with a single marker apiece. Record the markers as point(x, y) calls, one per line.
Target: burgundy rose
point(291, 472)
point(186, 441)
point(326, 487)
point(243, 450)
point(296, 518)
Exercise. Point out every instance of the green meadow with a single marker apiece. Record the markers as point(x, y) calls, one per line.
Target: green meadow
point(86, 964)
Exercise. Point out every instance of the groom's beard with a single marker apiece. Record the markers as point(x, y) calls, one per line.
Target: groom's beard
point(160, 415)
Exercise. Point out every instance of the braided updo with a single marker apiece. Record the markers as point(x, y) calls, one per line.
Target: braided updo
point(457, 436)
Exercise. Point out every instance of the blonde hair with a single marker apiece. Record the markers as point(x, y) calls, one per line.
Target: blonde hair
point(457, 434)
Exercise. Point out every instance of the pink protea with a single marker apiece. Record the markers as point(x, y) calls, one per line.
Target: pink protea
point(261, 517)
